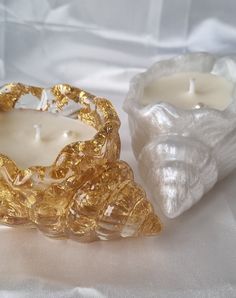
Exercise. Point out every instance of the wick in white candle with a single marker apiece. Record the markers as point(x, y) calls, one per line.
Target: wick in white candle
point(37, 136)
point(192, 86)
point(67, 133)
point(70, 134)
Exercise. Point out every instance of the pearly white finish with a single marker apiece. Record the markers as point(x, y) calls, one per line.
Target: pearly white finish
point(35, 138)
point(182, 153)
point(188, 89)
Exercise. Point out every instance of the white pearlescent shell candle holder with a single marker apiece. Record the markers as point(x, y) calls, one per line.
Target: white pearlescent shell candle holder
point(182, 153)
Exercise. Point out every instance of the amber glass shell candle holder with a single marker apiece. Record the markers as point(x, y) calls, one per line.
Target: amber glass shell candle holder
point(87, 193)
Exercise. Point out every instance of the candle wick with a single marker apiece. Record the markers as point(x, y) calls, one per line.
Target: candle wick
point(69, 134)
point(37, 136)
point(66, 133)
point(192, 86)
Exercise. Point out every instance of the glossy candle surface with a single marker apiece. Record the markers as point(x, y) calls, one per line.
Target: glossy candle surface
point(189, 90)
point(35, 138)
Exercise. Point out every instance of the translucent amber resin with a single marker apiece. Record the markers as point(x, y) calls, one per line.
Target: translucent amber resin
point(87, 193)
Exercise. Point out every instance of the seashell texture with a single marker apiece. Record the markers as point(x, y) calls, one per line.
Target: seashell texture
point(87, 194)
point(182, 153)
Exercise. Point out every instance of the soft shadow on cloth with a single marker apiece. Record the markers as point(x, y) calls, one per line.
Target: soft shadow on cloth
point(101, 46)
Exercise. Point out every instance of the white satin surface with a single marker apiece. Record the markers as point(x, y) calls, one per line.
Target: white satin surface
point(99, 46)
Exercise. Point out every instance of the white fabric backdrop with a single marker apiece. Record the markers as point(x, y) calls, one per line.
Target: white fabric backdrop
point(99, 46)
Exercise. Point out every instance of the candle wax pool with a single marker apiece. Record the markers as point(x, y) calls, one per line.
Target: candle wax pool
point(35, 138)
point(188, 90)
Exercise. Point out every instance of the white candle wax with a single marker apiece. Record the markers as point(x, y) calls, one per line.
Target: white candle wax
point(35, 138)
point(188, 90)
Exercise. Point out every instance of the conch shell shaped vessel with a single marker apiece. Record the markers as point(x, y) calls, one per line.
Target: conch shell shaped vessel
point(87, 194)
point(182, 153)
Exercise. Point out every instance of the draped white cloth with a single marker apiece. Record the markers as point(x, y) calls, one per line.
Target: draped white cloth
point(99, 46)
